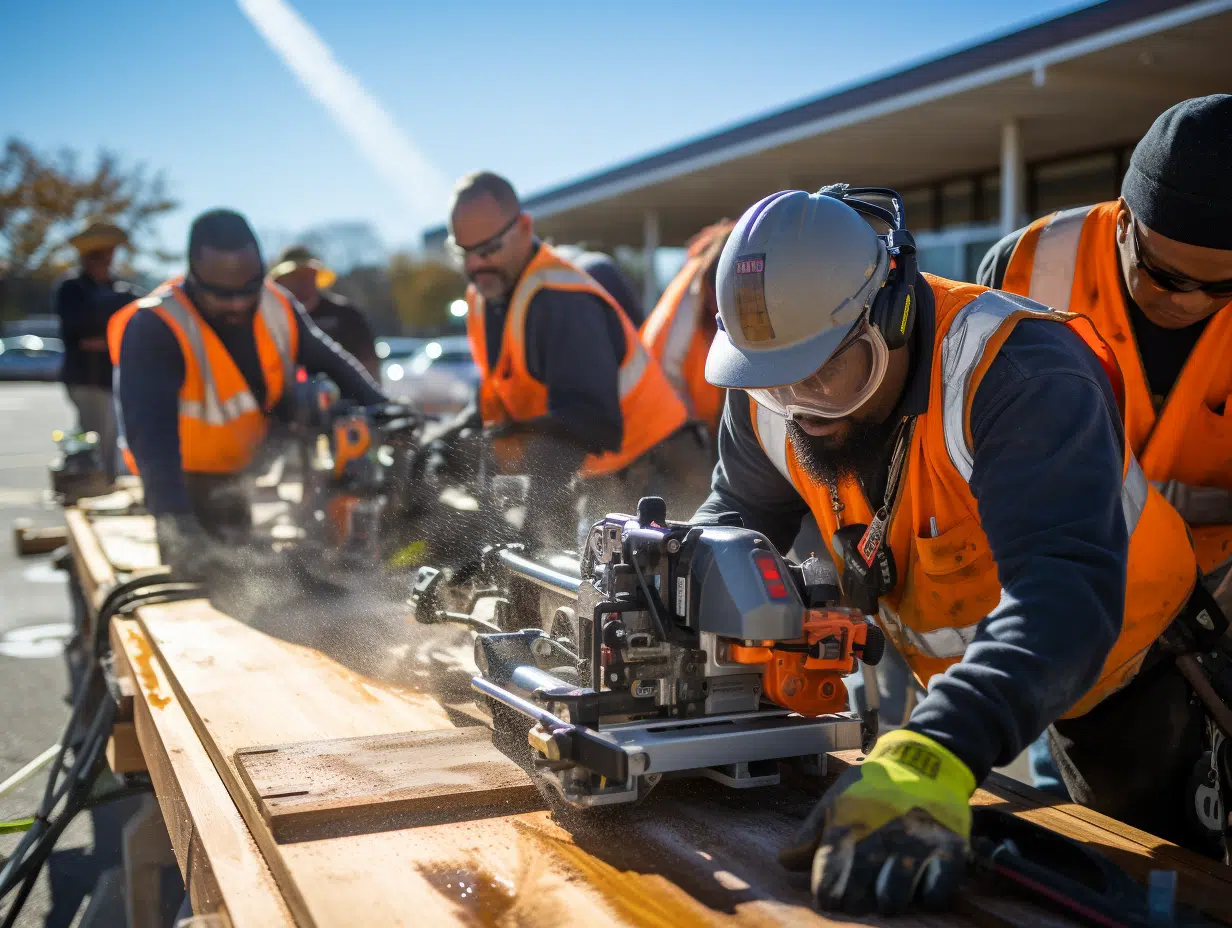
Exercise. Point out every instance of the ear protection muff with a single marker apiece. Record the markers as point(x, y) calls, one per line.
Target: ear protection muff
point(893, 309)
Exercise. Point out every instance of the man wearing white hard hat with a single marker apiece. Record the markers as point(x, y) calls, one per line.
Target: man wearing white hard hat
point(961, 450)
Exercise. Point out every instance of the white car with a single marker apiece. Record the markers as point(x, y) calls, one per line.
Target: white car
point(439, 379)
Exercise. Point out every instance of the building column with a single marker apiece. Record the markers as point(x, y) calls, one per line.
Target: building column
point(1011, 176)
point(650, 245)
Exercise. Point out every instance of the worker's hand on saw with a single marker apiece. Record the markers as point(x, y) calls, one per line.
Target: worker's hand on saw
point(890, 832)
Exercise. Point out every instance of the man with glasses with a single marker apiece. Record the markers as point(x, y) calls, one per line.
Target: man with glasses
point(961, 450)
point(566, 387)
point(202, 364)
point(1153, 270)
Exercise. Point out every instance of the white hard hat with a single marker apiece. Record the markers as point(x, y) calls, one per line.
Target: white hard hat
point(796, 277)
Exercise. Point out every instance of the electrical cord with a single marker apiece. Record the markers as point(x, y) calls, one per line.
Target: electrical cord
point(22, 868)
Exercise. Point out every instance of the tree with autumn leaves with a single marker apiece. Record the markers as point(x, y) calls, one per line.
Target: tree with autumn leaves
point(44, 198)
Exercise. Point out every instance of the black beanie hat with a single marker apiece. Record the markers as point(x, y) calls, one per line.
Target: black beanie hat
point(1179, 181)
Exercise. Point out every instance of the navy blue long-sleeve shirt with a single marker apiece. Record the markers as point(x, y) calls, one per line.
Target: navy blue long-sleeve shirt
point(85, 307)
point(151, 373)
point(1047, 446)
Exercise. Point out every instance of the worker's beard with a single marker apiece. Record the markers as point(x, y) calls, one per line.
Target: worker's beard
point(859, 451)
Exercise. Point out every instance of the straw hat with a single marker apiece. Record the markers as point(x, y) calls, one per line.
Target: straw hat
point(97, 235)
point(297, 256)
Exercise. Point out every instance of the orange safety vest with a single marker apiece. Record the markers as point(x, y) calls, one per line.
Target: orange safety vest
point(221, 425)
point(1069, 261)
point(947, 578)
point(674, 336)
point(508, 393)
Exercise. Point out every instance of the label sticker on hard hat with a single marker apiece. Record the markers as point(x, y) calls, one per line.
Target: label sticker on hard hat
point(751, 309)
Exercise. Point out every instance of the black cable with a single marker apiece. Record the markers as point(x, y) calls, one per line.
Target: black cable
point(652, 600)
point(37, 844)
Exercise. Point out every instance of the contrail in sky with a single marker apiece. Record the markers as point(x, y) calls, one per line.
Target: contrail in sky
point(421, 186)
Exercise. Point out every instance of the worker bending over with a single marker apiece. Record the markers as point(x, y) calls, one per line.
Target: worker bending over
point(203, 363)
point(1153, 271)
point(566, 387)
point(962, 450)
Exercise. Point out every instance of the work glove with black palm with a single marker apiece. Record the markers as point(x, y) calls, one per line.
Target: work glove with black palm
point(890, 832)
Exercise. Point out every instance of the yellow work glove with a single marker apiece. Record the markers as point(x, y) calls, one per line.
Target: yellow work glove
point(892, 831)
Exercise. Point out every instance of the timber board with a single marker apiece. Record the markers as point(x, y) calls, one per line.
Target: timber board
point(414, 776)
point(695, 853)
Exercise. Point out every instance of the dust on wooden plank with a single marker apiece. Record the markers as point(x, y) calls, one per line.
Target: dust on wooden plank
point(398, 780)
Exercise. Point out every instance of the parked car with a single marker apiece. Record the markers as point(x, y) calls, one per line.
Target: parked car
point(439, 379)
point(31, 357)
point(398, 347)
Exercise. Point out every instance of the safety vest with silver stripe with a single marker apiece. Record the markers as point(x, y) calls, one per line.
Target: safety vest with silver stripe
point(566, 278)
point(1053, 270)
point(961, 352)
point(210, 409)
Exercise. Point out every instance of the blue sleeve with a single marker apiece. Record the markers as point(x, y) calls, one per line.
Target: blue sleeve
point(71, 305)
point(147, 388)
point(1047, 446)
point(747, 482)
point(574, 346)
point(320, 354)
point(996, 261)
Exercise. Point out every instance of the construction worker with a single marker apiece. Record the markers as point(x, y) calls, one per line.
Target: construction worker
point(85, 302)
point(961, 450)
point(305, 277)
point(564, 377)
point(202, 364)
point(679, 330)
point(1153, 271)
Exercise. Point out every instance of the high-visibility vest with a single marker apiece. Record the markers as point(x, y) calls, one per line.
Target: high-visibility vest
point(221, 425)
point(675, 337)
point(508, 393)
point(947, 578)
point(1068, 260)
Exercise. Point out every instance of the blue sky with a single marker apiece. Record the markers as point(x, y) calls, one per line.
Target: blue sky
point(541, 91)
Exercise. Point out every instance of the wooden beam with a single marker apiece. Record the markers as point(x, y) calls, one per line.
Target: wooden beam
point(216, 854)
point(444, 775)
point(694, 853)
point(94, 571)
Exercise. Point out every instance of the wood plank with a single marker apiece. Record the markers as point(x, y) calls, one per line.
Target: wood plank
point(216, 854)
point(128, 542)
point(94, 571)
point(124, 750)
point(695, 853)
point(416, 776)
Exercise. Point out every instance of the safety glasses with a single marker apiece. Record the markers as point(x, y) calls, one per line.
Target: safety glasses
point(246, 292)
point(1170, 282)
point(840, 386)
point(484, 249)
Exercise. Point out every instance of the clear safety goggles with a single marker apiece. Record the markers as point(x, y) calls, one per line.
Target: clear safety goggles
point(840, 386)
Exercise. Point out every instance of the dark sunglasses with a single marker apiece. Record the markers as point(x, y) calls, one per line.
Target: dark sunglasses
point(248, 291)
point(485, 249)
point(1174, 283)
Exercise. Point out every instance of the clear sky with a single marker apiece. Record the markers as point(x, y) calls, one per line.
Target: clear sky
point(541, 91)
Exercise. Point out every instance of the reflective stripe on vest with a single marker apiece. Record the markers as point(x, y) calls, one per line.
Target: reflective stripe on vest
point(961, 351)
point(1197, 505)
point(679, 339)
point(636, 359)
point(210, 409)
point(1056, 258)
point(772, 430)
